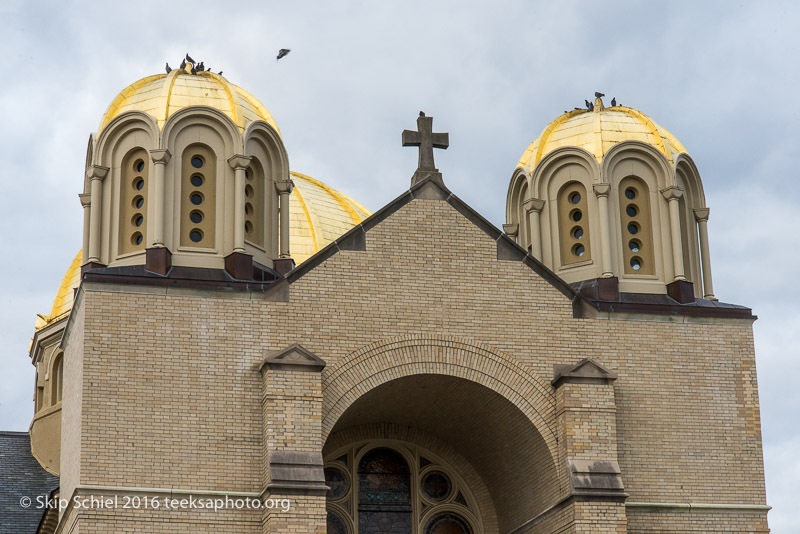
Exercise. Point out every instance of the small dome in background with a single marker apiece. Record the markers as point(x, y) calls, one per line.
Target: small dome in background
point(597, 131)
point(162, 95)
point(319, 214)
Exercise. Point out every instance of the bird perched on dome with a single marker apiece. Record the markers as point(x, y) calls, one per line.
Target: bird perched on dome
point(168, 68)
point(283, 52)
point(183, 64)
point(613, 101)
point(589, 105)
point(598, 94)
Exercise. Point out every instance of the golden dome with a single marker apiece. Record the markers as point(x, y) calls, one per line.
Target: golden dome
point(597, 131)
point(319, 214)
point(162, 95)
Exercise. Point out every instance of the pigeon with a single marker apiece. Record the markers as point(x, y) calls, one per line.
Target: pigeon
point(168, 69)
point(589, 105)
point(283, 52)
point(598, 94)
point(183, 64)
point(194, 70)
point(578, 109)
point(421, 113)
point(200, 67)
point(220, 73)
point(613, 101)
point(189, 59)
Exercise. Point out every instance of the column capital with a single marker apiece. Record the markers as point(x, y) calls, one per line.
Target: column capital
point(96, 172)
point(511, 229)
point(701, 214)
point(533, 204)
point(284, 186)
point(601, 190)
point(239, 162)
point(86, 199)
point(160, 155)
point(672, 192)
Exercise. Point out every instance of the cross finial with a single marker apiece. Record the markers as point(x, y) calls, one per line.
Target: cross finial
point(426, 140)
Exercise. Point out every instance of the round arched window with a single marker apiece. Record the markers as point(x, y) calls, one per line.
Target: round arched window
point(447, 524)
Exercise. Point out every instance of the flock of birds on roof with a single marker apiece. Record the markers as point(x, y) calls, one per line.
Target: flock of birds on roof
point(200, 67)
point(590, 105)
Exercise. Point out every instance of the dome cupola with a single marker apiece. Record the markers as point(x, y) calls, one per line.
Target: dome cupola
point(606, 195)
point(187, 169)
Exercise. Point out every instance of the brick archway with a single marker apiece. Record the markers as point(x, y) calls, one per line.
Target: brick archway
point(387, 360)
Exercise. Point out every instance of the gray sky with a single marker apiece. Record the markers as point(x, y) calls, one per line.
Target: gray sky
point(721, 76)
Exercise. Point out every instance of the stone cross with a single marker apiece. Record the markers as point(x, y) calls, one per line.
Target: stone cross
point(426, 140)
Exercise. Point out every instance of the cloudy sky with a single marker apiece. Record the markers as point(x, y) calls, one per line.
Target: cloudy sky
point(721, 76)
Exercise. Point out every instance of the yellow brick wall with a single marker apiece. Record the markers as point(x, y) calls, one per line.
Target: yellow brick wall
point(172, 392)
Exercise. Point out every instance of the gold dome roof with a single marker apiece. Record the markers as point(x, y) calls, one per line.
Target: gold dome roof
point(162, 95)
point(599, 130)
point(319, 214)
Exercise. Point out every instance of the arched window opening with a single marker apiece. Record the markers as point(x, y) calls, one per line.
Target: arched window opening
point(637, 231)
point(573, 219)
point(254, 204)
point(57, 379)
point(384, 493)
point(133, 201)
point(198, 197)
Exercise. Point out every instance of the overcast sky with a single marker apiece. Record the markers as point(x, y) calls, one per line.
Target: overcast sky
point(721, 76)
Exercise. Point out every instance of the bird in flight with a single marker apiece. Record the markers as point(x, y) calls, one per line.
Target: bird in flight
point(283, 52)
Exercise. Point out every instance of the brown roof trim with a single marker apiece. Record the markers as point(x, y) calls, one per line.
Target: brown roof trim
point(673, 309)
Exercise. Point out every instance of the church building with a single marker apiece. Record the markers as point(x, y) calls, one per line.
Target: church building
point(240, 348)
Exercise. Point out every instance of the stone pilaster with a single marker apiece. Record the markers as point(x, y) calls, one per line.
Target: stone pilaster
point(292, 406)
point(601, 191)
point(284, 188)
point(586, 415)
point(96, 175)
point(533, 207)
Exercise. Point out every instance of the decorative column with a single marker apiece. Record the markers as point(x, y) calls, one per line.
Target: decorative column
point(284, 263)
point(238, 264)
point(601, 191)
point(158, 258)
point(160, 158)
point(701, 216)
point(293, 467)
point(96, 175)
point(239, 164)
point(534, 206)
point(86, 202)
point(587, 440)
point(673, 195)
point(680, 289)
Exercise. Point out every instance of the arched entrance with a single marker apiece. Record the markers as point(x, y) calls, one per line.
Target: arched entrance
point(487, 419)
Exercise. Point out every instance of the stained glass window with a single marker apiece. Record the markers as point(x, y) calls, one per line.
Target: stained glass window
point(384, 493)
point(447, 524)
point(336, 481)
point(335, 524)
